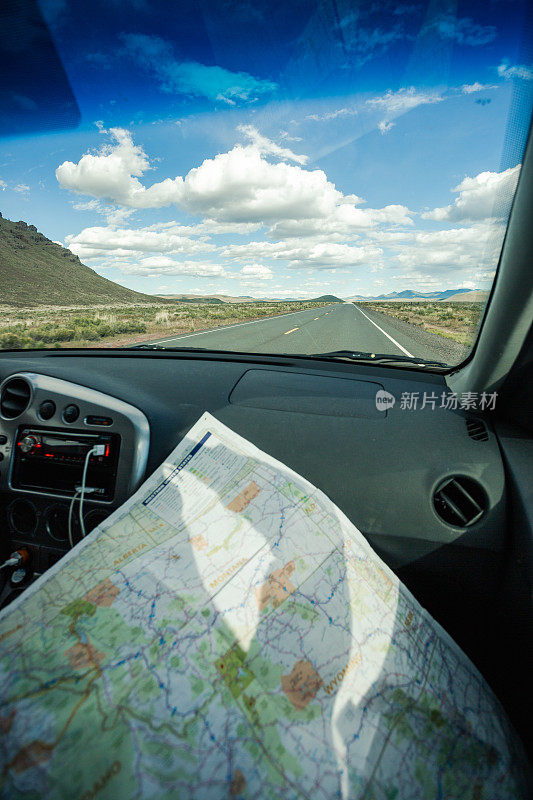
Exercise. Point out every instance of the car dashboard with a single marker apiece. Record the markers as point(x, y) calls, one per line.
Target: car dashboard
point(383, 467)
point(427, 484)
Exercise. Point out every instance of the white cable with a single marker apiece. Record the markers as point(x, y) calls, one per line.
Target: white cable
point(11, 562)
point(76, 493)
point(97, 450)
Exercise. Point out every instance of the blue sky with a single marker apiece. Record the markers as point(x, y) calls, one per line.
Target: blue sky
point(280, 149)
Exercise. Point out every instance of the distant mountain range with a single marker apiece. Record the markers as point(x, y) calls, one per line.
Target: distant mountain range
point(409, 294)
point(453, 295)
point(35, 271)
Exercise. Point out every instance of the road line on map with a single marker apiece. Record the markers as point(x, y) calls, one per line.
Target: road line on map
point(407, 353)
point(291, 331)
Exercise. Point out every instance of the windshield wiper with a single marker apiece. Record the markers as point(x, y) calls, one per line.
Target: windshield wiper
point(347, 355)
point(146, 347)
point(381, 358)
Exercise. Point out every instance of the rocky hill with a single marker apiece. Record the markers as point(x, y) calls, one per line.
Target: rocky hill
point(35, 271)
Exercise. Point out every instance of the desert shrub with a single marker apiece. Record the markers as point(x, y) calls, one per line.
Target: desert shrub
point(13, 340)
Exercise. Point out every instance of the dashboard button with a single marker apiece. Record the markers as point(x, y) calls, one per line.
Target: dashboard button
point(1, 456)
point(3, 439)
point(71, 413)
point(47, 409)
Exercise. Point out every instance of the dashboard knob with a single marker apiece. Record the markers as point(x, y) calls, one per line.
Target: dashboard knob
point(28, 444)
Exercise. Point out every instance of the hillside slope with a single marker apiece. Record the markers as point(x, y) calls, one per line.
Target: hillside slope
point(476, 296)
point(35, 271)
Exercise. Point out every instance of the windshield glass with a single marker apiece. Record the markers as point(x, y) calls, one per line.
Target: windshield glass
point(304, 177)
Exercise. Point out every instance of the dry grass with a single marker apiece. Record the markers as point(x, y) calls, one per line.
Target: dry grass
point(457, 321)
point(121, 325)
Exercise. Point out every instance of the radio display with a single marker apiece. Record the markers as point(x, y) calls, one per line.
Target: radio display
point(52, 462)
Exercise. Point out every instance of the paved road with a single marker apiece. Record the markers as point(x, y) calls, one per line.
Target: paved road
point(342, 326)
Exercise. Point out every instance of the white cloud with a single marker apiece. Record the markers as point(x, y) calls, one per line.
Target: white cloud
point(287, 136)
point(522, 71)
point(345, 220)
point(3, 185)
point(237, 188)
point(113, 173)
point(89, 205)
point(384, 127)
point(191, 78)
point(100, 242)
point(461, 30)
point(395, 103)
point(488, 194)
point(242, 186)
point(257, 271)
point(472, 88)
point(22, 188)
point(451, 253)
point(307, 254)
point(326, 116)
point(154, 266)
point(267, 147)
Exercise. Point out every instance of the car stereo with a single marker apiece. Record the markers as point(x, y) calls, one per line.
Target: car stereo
point(52, 461)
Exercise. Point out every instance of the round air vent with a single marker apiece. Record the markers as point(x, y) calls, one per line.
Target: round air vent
point(14, 398)
point(56, 522)
point(460, 501)
point(22, 517)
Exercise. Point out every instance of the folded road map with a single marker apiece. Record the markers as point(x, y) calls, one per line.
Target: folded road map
point(228, 632)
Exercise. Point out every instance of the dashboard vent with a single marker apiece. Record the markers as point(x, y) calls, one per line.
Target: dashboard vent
point(476, 430)
point(15, 398)
point(460, 501)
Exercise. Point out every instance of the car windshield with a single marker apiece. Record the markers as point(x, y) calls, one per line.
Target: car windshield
point(309, 177)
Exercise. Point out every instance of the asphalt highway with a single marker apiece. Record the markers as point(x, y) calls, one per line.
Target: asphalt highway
point(341, 326)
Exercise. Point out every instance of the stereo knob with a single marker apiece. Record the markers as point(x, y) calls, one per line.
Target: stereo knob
point(28, 444)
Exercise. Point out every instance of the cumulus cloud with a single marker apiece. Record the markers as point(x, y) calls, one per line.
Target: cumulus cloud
point(155, 266)
point(452, 251)
point(257, 271)
point(113, 173)
point(191, 78)
point(99, 242)
point(240, 187)
point(304, 222)
point(521, 71)
point(488, 194)
point(345, 220)
point(307, 255)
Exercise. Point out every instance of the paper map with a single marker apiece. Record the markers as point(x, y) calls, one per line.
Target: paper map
point(228, 632)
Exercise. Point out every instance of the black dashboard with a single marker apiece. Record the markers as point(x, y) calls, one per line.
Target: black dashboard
point(433, 488)
point(383, 467)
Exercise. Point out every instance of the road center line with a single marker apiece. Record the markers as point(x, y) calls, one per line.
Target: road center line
point(222, 328)
point(407, 353)
point(291, 331)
